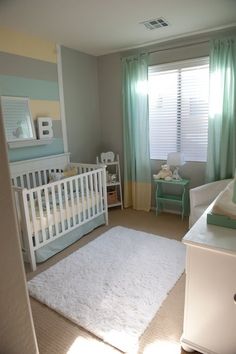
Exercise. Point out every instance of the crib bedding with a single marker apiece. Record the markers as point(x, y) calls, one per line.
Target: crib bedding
point(52, 248)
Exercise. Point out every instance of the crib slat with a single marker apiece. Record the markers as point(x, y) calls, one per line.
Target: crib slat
point(27, 180)
point(34, 180)
point(54, 209)
point(96, 191)
point(39, 178)
point(21, 181)
point(92, 192)
point(87, 195)
point(32, 208)
point(48, 212)
point(72, 196)
point(66, 206)
point(45, 176)
point(77, 198)
point(60, 191)
point(41, 214)
point(82, 186)
point(100, 190)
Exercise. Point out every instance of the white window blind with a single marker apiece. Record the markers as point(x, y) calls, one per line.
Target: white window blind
point(178, 109)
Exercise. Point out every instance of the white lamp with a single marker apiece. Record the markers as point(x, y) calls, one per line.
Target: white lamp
point(175, 159)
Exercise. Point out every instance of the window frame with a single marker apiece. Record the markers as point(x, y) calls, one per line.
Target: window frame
point(178, 65)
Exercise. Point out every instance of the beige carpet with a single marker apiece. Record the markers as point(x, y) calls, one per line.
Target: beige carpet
point(56, 335)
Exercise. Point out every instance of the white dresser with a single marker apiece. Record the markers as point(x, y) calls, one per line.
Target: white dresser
point(210, 293)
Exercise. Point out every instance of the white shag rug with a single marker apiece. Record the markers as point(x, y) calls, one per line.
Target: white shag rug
point(114, 285)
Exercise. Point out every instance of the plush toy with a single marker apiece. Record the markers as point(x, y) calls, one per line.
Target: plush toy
point(68, 172)
point(164, 173)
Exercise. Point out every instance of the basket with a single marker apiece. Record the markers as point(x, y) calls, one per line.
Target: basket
point(111, 197)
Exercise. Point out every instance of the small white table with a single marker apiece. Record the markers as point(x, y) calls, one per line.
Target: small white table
point(210, 292)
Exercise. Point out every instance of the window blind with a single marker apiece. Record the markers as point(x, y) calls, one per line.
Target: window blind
point(178, 109)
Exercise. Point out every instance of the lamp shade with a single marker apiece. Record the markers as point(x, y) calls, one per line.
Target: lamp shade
point(175, 159)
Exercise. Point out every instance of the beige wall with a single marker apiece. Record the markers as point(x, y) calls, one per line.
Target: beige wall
point(16, 326)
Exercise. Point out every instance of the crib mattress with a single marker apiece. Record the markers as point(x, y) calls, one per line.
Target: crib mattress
point(83, 209)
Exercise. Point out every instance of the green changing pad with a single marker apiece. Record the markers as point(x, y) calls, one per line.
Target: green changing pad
point(221, 220)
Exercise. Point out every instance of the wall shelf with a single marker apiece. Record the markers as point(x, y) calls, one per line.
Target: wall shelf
point(25, 143)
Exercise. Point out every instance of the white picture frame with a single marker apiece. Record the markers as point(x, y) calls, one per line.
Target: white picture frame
point(17, 119)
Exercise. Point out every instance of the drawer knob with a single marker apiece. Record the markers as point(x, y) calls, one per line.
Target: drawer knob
point(235, 298)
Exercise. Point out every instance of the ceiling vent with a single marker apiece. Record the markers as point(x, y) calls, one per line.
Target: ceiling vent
point(156, 23)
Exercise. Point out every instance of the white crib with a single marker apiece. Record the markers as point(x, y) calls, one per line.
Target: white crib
point(48, 211)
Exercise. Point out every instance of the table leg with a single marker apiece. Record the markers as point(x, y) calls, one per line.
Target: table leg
point(183, 202)
point(158, 194)
point(156, 199)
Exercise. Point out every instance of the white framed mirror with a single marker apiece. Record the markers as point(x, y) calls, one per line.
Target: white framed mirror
point(17, 119)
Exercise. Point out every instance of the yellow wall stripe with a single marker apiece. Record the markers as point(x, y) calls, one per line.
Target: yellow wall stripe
point(26, 45)
point(43, 108)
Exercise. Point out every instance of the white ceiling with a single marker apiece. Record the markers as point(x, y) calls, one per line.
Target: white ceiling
point(99, 27)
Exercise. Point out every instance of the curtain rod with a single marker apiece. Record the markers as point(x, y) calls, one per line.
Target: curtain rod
point(162, 49)
point(177, 47)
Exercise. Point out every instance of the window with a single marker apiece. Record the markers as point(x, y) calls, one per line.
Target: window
point(178, 109)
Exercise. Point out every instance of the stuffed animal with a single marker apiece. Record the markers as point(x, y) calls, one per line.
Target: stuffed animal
point(164, 173)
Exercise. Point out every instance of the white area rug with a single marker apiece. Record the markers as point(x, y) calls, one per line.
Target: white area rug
point(114, 285)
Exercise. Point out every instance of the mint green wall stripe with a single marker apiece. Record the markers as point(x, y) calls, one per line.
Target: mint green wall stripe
point(36, 151)
point(35, 89)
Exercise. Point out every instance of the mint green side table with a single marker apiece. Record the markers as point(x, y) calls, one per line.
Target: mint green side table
point(181, 199)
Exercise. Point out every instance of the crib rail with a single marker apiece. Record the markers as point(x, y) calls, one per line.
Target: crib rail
point(54, 209)
point(34, 178)
point(86, 167)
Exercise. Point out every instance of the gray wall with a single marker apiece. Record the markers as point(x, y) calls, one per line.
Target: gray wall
point(16, 329)
point(80, 85)
point(110, 81)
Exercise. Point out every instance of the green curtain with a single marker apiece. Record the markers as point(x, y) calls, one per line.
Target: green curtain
point(221, 159)
point(137, 169)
